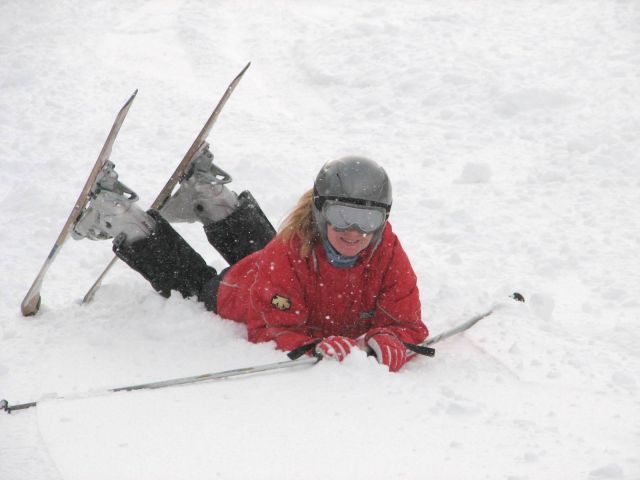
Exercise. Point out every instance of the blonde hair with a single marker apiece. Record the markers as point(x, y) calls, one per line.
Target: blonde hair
point(300, 224)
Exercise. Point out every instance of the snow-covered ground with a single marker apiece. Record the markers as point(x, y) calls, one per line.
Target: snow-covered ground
point(511, 132)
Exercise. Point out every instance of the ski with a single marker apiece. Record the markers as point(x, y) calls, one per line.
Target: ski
point(32, 300)
point(179, 172)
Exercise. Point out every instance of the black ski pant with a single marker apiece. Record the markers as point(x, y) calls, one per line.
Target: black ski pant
point(169, 263)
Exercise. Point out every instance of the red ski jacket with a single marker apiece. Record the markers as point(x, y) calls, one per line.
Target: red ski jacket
point(294, 300)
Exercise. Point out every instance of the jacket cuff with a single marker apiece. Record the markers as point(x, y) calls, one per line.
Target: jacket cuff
point(376, 331)
point(288, 341)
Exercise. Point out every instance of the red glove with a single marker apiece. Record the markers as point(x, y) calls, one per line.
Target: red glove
point(389, 350)
point(335, 347)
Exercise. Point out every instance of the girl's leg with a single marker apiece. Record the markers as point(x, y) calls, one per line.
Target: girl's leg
point(166, 260)
point(244, 231)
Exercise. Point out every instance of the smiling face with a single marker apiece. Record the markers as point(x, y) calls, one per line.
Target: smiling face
point(348, 242)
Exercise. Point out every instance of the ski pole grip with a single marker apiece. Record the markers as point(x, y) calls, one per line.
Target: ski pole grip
point(420, 349)
point(296, 353)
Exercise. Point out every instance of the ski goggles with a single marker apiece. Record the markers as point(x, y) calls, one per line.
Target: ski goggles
point(346, 216)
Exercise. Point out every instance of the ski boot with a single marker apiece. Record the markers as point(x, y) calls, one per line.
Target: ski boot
point(234, 224)
point(112, 211)
point(202, 195)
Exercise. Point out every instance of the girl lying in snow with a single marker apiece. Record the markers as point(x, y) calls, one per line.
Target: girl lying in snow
point(334, 272)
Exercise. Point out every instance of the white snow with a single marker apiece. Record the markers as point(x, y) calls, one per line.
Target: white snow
point(511, 132)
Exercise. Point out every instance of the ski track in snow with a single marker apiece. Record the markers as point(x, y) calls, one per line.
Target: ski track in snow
point(511, 135)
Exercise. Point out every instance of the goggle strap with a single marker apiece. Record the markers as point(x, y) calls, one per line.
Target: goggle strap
point(320, 200)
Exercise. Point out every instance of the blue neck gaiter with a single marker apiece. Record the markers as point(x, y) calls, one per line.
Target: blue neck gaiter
point(336, 259)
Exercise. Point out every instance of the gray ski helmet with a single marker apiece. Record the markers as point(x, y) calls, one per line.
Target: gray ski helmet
point(351, 180)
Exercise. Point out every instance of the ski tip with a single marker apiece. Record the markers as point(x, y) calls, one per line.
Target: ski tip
point(4, 405)
point(128, 102)
point(246, 67)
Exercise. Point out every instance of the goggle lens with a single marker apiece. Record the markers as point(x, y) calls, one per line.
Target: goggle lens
point(345, 217)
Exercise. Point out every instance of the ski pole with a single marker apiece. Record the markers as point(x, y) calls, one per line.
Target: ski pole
point(4, 405)
point(295, 361)
point(424, 348)
point(458, 329)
